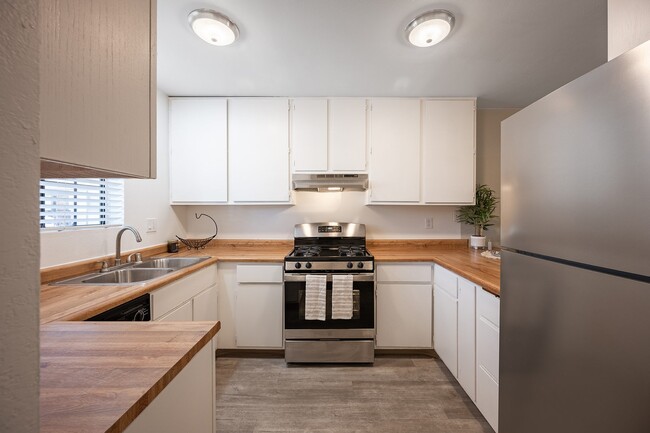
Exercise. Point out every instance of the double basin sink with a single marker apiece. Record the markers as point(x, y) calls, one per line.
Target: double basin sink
point(136, 272)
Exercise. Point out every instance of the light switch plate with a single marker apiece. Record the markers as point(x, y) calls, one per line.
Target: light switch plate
point(151, 225)
point(428, 223)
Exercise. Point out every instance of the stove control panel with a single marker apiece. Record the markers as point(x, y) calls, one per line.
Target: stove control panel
point(329, 229)
point(352, 266)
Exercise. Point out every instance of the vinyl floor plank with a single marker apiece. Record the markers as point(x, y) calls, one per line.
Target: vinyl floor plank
point(396, 394)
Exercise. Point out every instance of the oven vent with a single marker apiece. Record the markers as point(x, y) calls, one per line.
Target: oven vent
point(330, 182)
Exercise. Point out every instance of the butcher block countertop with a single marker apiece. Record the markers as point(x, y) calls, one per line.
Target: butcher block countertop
point(460, 259)
point(80, 302)
point(99, 376)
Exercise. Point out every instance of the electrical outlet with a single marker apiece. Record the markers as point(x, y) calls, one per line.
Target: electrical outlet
point(151, 225)
point(428, 223)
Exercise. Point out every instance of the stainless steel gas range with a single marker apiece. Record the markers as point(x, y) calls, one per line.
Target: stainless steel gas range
point(329, 249)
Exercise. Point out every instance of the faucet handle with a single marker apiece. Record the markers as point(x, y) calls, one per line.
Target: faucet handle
point(138, 258)
point(104, 264)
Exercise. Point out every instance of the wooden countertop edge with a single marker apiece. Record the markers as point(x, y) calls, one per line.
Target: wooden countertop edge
point(87, 310)
point(141, 404)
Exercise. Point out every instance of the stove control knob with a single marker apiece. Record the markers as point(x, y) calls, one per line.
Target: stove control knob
point(360, 265)
point(308, 265)
point(349, 265)
point(298, 265)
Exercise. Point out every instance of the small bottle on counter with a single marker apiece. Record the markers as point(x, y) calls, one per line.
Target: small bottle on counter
point(489, 245)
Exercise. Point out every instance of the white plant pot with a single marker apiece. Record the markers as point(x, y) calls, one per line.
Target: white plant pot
point(477, 242)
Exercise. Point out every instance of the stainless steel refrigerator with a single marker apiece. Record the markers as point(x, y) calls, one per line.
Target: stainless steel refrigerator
point(575, 286)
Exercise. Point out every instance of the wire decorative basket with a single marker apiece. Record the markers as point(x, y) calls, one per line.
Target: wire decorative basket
point(199, 243)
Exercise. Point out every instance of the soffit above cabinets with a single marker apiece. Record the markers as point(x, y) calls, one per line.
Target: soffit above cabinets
point(508, 53)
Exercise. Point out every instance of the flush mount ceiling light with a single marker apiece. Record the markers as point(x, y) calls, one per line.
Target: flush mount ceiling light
point(430, 28)
point(212, 27)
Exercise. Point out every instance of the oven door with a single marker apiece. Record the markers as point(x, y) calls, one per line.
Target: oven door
point(363, 307)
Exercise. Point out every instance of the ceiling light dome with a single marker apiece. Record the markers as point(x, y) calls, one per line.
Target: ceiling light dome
point(213, 27)
point(430, 28)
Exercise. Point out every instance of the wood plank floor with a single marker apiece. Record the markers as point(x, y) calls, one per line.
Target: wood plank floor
point(396, 395)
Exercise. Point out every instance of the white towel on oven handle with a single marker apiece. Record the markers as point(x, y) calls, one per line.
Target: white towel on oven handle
point(342, 297)
point(315, 297)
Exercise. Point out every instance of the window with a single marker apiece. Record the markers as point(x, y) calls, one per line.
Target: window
point(81, 203)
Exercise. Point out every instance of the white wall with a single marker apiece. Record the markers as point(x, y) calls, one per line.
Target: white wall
point(628, 25)
point(276, 222)
point(144, 198)
point(19, 173)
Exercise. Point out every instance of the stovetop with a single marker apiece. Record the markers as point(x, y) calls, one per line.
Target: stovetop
point(329, 247)
point(328, 252)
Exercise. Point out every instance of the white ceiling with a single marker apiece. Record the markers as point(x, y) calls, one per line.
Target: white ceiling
point(508, 53)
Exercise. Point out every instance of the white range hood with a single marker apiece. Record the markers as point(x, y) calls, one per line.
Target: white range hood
point(330, 182)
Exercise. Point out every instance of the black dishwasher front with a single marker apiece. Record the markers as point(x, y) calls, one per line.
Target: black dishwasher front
point(135, 310)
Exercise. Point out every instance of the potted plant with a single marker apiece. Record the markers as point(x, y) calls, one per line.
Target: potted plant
point(479, 214)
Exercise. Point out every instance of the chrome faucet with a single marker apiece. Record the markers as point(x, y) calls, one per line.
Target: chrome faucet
point(118, 243)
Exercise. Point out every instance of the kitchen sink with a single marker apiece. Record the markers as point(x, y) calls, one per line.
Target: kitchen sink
point(135, 273)
point(124, 276)
point(169, 262)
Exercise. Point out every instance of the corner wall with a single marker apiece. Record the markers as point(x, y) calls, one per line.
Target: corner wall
point(488, 161)
point(143, 198)
point(628, 25)
point(19, 173)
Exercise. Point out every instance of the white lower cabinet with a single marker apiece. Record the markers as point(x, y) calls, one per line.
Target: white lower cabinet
point(259, 306)
point(404, 306)
point(466, 337)
point(445, 326)
point(193, 297)
point(487, 356)
point(182, 313)
point(187, 402)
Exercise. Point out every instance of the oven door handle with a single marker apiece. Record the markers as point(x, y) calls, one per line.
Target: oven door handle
point(303, 277)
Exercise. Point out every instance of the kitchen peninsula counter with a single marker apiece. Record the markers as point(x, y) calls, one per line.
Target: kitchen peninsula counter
point(98, 377)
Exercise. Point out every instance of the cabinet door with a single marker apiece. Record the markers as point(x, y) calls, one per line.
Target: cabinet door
point(180, 314)
point(258, 315)
point(258, 137)
point(448, 151)
point(198, 143)
point(467, 337)
point(309, 134)
point(204, 305)
point(347, 134)
point(98, 88)
point(404, 315)
point(445, 318)
point(395, 151)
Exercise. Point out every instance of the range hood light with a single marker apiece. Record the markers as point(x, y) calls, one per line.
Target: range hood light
point(334, 188)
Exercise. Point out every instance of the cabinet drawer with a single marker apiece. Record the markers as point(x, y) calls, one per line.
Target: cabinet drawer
point(259, 273)
point(446, 280)
point(408, 273)
point(487, 398)
point(488, 306)
point(487, 347)
point(174, 294)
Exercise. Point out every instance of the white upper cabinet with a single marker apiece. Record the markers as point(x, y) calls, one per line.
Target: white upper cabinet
point(198, 143)
point(448, 150)
point(309, 134)
point(98, 88)
point(347, 135)
point(328, 135)
point(258, 150)
point(395, 151)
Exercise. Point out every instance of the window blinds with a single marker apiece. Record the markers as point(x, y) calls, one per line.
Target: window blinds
point(81, 202)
